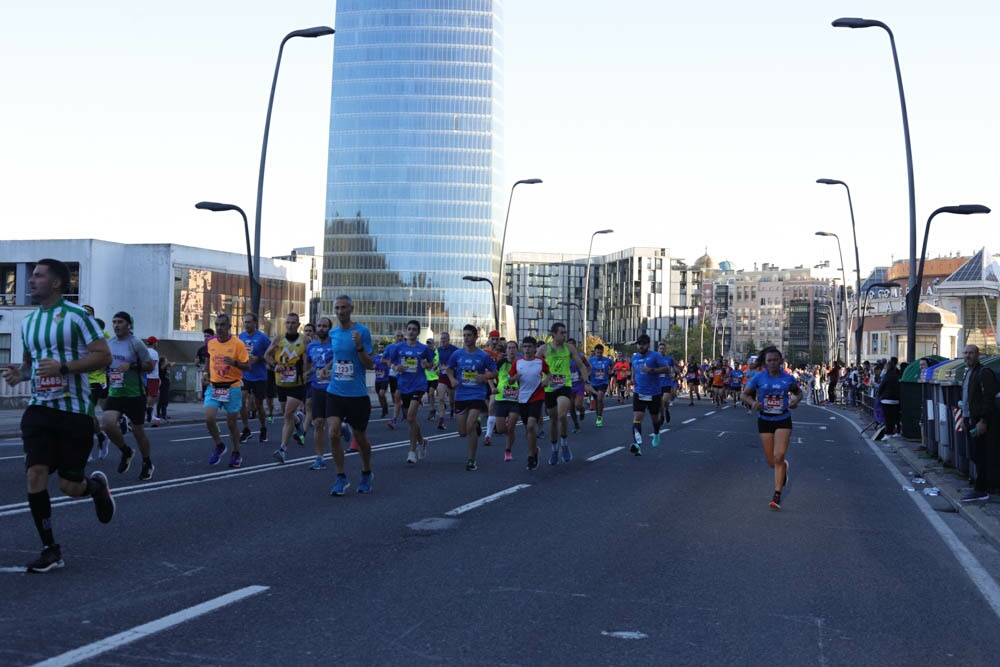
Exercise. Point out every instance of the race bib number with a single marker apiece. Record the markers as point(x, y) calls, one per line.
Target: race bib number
point(116, 379)
point(343, 371)
point(774, 405)
point(220, 394)
point(381, 374)
point(509, 392)
point(599, 374)
point(575, 375)
point(51, 388)
point(557, 381)
point(469, 378)
point(289, 374)
point(410, 364)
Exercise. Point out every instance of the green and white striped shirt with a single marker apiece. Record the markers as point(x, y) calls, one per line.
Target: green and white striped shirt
point(63, 333)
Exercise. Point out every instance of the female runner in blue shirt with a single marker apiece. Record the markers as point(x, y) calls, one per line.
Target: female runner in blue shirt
point(773, 393)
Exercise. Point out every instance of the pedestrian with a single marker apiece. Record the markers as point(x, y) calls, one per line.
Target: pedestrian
point(62, 344)
point(161, 405)
point(888, 395)
point(152, 380)
point(347, 393)
point(773, 393)
point(982, 422)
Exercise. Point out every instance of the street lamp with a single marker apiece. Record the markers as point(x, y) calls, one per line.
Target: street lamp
point(318, 31)
point(843, 275)
point(913, 296)
point(586, 285)
point(863, 311)
point(857, 259)
point(217, 207)
point(911, 324)
point(685, 309)
point(503, 241)
point(496, 313)
point(569, 316)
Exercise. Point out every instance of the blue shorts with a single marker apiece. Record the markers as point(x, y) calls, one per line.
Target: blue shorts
point(232, 406)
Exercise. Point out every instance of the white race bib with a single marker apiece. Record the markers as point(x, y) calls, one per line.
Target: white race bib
point(289, 374)
point(51, 388)
point(343, 371)
point(220, 394)
point(116, 379)
point(774, 405)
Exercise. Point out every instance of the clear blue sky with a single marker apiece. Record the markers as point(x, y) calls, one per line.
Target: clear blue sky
point(682, 125)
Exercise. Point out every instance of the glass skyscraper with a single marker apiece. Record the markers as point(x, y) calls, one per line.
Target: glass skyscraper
point(415, 193)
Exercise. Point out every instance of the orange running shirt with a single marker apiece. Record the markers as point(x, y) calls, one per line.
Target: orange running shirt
point(220, 371)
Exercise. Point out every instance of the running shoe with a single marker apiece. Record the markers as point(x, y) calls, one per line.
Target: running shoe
point(486, 441)
point(340, 485)
point(975, 496)
point(279, 455)
point(532, 462)
point(269, 419)
point(126, 461)
point(775, 503)
point(50, 559)
point(245, 435)
point(599, 422)
point(508, 456)
point(236, 460)
point(216, 456)
point(318, 464)
point(346, 433)
point(554, 458)
point(635, 449)
point(567, 455)
point(156, 422)
point(432, 416)
point(146, 473)
point(365, 485)
point(656, 440)
point(576, 428)
point(102, 448)
point(300, 438)
point(104, 503)
point(391, 424)
point(262, 436)
point(441, 425)
point(422, 449)
point(411, 457)
point(471, 466)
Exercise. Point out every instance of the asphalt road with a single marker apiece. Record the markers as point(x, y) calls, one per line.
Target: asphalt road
point(671, 558)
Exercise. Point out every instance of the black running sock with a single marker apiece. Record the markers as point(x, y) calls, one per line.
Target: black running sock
point(41, 512)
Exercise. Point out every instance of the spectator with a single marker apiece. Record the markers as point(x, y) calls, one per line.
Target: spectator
point(888, 396)
point(979, 411)
point(164, 400)
point(834, 377)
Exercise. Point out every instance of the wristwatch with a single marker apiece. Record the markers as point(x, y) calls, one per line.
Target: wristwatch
point(64, 370)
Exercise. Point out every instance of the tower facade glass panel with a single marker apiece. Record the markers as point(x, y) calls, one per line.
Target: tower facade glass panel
point(415, 194)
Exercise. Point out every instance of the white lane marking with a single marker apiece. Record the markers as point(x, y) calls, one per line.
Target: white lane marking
point(16, 570)
point(721, 433)
point(625, 634)
point(488, 499)
point(142, 631)
point(710, 413)
point(10, 458)
point(973, 568)
point(607, 453)
point(688, 421)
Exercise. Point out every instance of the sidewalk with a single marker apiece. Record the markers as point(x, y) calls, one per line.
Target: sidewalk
point(951, 485)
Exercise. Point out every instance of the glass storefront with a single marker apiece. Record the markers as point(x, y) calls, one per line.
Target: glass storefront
point(415, 189)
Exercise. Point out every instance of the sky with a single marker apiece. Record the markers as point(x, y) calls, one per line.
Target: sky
point(679, 125)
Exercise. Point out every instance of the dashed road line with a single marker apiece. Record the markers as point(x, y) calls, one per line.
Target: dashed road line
point(488, 499)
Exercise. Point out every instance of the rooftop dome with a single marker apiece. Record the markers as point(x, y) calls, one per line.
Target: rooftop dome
point(705, 262)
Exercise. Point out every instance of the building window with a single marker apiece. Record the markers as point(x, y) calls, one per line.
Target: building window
point(4, 348)
point(8, 284)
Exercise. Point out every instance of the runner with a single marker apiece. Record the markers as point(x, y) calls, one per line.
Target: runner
point(531, 374)
point(228, 358)
point(668, 383)
point(201, 361)
point(496, 351)
point(394, 382)
point(469, 371)
point(98, 392)
point(318, 366)
point(576, 386)
point(622, 371)
point(152, 381)
point(718, 375)
point(693, 377)
point(558, 395)
point(505, 404)
point(446, 392)
point(646, 366)
point(381, 378)
point(768, 393)
point(736, 375)
point(254, 380)
point(287, 356)
point(62, 343)
point(411, 359)
point(347, 394)
point(432, 379)
point(125, 393)
point(601, 368)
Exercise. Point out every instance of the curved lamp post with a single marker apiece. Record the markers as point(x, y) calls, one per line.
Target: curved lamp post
point(586, 286)
point(217, 207)
point(857, 259)
point(911, 324)
point(913, 296)
point(496, 313)
point(318, 31)
point(843, 275)
point(503, 241)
